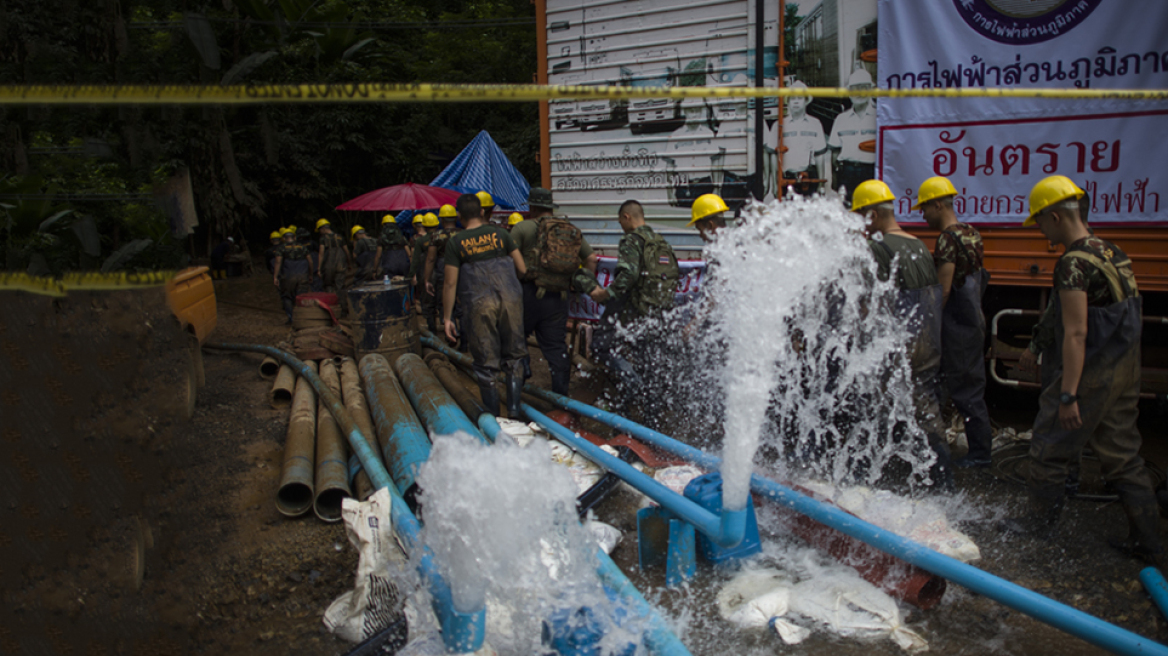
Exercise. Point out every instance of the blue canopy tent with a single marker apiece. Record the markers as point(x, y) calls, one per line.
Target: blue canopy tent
point(481, 166)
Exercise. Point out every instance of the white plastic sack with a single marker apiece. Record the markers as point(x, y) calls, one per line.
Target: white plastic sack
point(607, 535)
point(375, 601)
point(921, 520)
point(835, 597)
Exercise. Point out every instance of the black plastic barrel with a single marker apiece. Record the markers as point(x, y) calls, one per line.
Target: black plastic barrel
point(383, 320)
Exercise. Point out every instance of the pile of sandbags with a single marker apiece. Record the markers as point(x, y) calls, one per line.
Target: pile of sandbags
point(317, 331)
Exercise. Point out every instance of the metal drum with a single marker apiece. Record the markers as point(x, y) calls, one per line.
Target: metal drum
point(383, 320)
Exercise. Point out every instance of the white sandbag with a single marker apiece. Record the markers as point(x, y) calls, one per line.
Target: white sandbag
point(607, 535)
point(850, 606)
point(376, 601)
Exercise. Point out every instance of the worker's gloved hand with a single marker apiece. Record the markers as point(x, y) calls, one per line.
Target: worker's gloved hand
point(1028, 362)
point(599, 294)
point(451, 331)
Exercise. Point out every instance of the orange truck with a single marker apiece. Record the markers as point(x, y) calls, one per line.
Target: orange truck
point(595, 153)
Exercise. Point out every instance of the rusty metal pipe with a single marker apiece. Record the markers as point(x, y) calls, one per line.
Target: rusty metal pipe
point(332, 471)
point(355, 403)
point(269, 368)
point(283, 387)
point(405, 444)
point(295, 495)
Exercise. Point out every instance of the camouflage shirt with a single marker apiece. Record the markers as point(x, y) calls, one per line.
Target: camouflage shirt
point(915, 265)
point(365, 245)
point(391, 237)
point(628, 268)
point(331, 241)
point(418, 261)
point(293, 252)
point(1075, 274)
point(440, 238)
point(961, 246)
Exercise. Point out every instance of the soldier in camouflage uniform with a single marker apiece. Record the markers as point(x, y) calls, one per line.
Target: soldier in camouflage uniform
point(435, 267)
point(364, 256)
point(483, 266)
point(332, 258)
point(545, 313)
point(427, 303)
point(958, 257)
point(393, 251)
point(919, 303)
point(643, 286)
point(1091, 376)
point(291, 273)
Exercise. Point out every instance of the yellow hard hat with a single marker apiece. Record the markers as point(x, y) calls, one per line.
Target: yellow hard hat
point(386, 219)
point(485, 199)
point(515, 217)
point(870, 192)
point(447, 212)
point(291, 228)
point(1049, 191)
point(706, 205)
point(431, 220)
point(276, 234)
point(355, 230)
point(322, 223)
point(284, 231)
point(419, 218)
point(933, 188)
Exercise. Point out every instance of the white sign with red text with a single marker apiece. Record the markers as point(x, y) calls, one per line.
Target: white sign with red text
point(995, 149)
point(581, 306)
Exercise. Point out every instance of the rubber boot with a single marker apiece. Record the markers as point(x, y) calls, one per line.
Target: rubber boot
point(560, 381)
point(1046, 504)
point(490, 397)
point(1143, 516)
point(288, 309)
point(526, 361)
point(514, 390)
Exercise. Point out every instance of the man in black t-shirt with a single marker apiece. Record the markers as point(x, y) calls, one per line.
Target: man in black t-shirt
point(482, 268)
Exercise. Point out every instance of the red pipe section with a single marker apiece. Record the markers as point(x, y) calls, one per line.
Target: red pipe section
point(649, 455)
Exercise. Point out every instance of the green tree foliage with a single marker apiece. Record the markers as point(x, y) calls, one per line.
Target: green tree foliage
point(252, 168)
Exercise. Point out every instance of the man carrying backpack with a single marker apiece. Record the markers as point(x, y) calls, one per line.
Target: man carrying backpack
point(643, 286)
point(553, 250)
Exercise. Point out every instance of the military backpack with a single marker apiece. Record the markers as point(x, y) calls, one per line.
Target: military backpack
point(659, 276)
point(558, 246)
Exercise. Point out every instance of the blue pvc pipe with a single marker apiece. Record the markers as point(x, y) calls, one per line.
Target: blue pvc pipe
point(717, 528)
point(434, 405)
point(461, 632)
point(658, 637)
point(1063, 617)
point(1156, 586)
point(405, 443)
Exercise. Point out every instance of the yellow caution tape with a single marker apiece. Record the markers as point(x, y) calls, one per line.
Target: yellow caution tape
point(82, 281)
point(343, 93)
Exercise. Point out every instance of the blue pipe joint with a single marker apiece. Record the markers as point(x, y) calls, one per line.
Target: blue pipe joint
point(462, 633)
point(578, 632)
point(1156, 586)
point(738, 537)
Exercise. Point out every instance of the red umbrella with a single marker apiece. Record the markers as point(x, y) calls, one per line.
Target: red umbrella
point(408, 196)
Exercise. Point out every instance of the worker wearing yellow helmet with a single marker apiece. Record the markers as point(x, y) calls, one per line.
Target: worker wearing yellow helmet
point(1091, 375)
point(919, 304)
point(488, 204)
point(957, 258)
point(434, 270)
point(708, 215)
point(514, 220)
point(332, 257)
point(393, 251)
point(274, 241)
point(364, 255)
point(418, 248)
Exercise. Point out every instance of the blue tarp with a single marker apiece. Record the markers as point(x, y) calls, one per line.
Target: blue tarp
point(482, 166)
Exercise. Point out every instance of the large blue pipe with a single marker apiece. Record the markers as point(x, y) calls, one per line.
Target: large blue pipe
point(405, 443)
point(461, 632)
point(433, 403)
point(726, 530)
point(1063, 617)
point(659, 638)
point(1157, 587)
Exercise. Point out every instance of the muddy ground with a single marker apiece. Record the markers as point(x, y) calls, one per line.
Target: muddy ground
point(225, 573)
